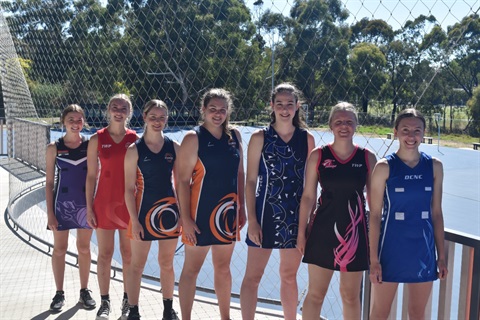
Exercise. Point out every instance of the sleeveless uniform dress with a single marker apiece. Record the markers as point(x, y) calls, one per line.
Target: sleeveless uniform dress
point(155, 199)
point(338, 237)
point(109, 201)
point(69, 203)
point(407, 243)
point(213, 200)
point(280, 187)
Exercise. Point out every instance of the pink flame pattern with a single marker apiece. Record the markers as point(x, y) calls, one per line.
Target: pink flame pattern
point(346, 250)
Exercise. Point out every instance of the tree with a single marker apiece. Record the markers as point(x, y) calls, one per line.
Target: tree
point(315, 49)
point(473, 105)
point(367, 63)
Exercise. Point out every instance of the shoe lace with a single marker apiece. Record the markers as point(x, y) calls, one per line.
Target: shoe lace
point(85, 294)
point(104, 307)
point(125, 307)
point(58, 298)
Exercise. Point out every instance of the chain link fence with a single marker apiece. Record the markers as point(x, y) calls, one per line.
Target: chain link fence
point(382, 56)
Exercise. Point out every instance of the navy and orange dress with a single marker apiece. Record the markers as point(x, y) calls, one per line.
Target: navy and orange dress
point(213, 200)
point(407, 241)
point(155, 198)
point(109, 201)
point(280, 188)
point(69, 202)
point(337, 235)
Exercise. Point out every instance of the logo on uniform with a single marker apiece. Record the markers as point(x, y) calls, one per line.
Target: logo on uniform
point(106, 146)
point(232, 143)
point(169, 157)
point(210, 144)
point(329, 164)
point(356, 165)
point(413, 177)
point(62, 153)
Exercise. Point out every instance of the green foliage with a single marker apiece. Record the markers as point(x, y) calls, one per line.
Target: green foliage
point(474, 110)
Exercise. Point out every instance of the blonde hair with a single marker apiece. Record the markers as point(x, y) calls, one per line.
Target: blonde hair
point(155, 103)
point(342, 106)
point(124, 97)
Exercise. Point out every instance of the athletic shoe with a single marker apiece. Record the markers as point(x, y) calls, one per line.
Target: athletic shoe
point(57, 303)
point(86, 299)
point(172, 316)
point(104, 310)
point(125, 308)
point(133, 313)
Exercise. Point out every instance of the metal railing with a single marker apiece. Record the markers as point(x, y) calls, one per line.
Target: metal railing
point(465, 266)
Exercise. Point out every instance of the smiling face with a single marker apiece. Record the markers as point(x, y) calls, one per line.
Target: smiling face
point(215, 112)
point(284, 106)
point(73, 122)
point(156, 119)
point(343, 124)
point(119, 110)
point(409, 132)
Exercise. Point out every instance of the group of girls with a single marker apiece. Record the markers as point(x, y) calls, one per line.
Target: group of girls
point(400, 242)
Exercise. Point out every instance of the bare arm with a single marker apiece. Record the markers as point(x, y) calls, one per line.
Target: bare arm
point(130, 167)
point(50, 185)
point(92, 169)
point(254, 154)
point(185, 163)
point(372, 161)
point(377, 190)
point(241, 186)
point(309, 196)
point(437, 217)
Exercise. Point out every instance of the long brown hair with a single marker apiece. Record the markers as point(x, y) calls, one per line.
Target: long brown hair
point(409, 113)
point(298, 120)
point(71, 108)
point(221, 94)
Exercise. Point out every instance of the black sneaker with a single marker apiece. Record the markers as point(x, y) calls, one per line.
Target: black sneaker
point(133, 313)
point(104, 310)
point(86, 299)
point(57, 303)
point(172, 316)
point(125, 308)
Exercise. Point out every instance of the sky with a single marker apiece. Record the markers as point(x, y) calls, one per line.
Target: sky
point(394, 12)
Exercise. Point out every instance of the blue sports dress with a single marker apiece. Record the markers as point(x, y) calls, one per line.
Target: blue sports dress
point(155, 199)
point(407, 243)
point(280, 187)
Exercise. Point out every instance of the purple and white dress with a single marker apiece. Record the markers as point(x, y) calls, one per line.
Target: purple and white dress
point(69, 194)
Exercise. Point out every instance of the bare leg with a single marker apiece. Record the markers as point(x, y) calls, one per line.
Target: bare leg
point(383, 294)
point(84, 256)
point(257, 260)
point(140, 251)
point(318, 282)
point(166, 252)
point(194, 258)
point(418, 294)
point(289, 262)
point(105, 240)
point(126, 252)
point(350, 283)
point(221, 257)
point(60, 244)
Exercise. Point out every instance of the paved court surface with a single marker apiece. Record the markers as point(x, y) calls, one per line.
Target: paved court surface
point(27, 285)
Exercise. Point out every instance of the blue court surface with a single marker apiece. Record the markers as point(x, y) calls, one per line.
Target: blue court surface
point(461, 185)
